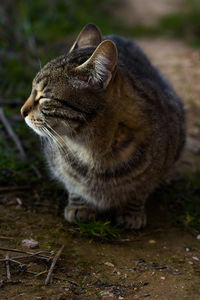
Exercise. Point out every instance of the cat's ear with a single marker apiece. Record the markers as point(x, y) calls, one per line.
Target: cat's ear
point(99, 67)
point(90, 36)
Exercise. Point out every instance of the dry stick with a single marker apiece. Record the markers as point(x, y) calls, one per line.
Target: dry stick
point(23, 266)
point(54, 277)
point(6, 237)
point(21, 251)
point(37, 172)
point(8, 268)
point(15, 139)
point(29, 254)
point(46, 258)
point(11, 102)
point(15, 250)
point(12, 260)
point(11, 133)
point(14, 188)
point(41, 273)
point(53, 265)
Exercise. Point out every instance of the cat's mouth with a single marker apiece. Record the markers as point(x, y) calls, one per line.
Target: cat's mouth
point(45, 128)
point(37, 125)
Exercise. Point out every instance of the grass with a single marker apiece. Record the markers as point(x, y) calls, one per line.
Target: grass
point(100, 229)
point(182, 199)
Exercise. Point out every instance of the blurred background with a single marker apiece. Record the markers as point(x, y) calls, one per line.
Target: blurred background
point(34, 31)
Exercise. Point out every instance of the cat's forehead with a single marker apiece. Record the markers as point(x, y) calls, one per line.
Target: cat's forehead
point(62, 64)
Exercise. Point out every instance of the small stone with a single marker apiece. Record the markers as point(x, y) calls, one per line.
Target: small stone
point(109, 297)
point(187, 249)
point(195, 258)
point(19, 201)
point(162, 277)
point(109, 264)
point(152, 241)
point(198, 237)
point(106, 295)
point(124, 276)
point(32, 244)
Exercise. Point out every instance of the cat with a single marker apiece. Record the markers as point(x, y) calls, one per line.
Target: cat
point(111, 125)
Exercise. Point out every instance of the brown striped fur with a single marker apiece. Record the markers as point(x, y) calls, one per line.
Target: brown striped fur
point(112, 126)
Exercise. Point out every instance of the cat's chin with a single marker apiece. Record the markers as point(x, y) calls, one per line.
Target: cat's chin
point(34, 128)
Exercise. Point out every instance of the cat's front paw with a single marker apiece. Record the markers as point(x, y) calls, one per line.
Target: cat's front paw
point(132, 221)
point(82, 213)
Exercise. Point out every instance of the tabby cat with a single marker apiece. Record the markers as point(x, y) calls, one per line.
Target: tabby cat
point(111, 126)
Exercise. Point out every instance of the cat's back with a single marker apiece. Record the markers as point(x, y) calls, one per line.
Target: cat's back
point(162, 106)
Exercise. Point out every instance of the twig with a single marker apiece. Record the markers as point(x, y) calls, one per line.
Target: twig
point(11, 133)
point(14, 188)
point(53, 265)
point(24, 252)
point(8, 268)
point(11, 102)
point(22, 266)
point(36, 255)
point(15, 250)
point(29, 254)
point(54, 277)
point(37, 172)
point(44, 258)
point(6, 238)
point(41, 273)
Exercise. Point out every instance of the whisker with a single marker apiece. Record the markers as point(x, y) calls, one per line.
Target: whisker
point(40, 64)
point(53, 138)
point(57, 139)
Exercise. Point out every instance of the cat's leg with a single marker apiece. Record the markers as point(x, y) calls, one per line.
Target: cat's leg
point(132, 216)
point(78, 210)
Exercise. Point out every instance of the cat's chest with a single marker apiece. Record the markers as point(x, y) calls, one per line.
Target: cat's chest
point(70, 169)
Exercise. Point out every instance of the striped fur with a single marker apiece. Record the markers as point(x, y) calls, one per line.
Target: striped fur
point(111, 127)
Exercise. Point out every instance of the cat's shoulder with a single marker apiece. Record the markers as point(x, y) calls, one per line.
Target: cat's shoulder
point(132, 59)
point(123, 44)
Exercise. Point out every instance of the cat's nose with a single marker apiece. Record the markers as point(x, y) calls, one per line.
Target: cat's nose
point(24, 113)
point(26, 108)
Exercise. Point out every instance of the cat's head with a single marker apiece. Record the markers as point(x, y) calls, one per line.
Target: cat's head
point(70, 90)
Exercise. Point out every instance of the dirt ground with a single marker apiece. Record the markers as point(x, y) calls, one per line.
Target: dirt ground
point(147, 12)
point(160, 262)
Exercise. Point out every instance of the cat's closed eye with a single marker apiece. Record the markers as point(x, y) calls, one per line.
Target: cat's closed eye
point(42, 100)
